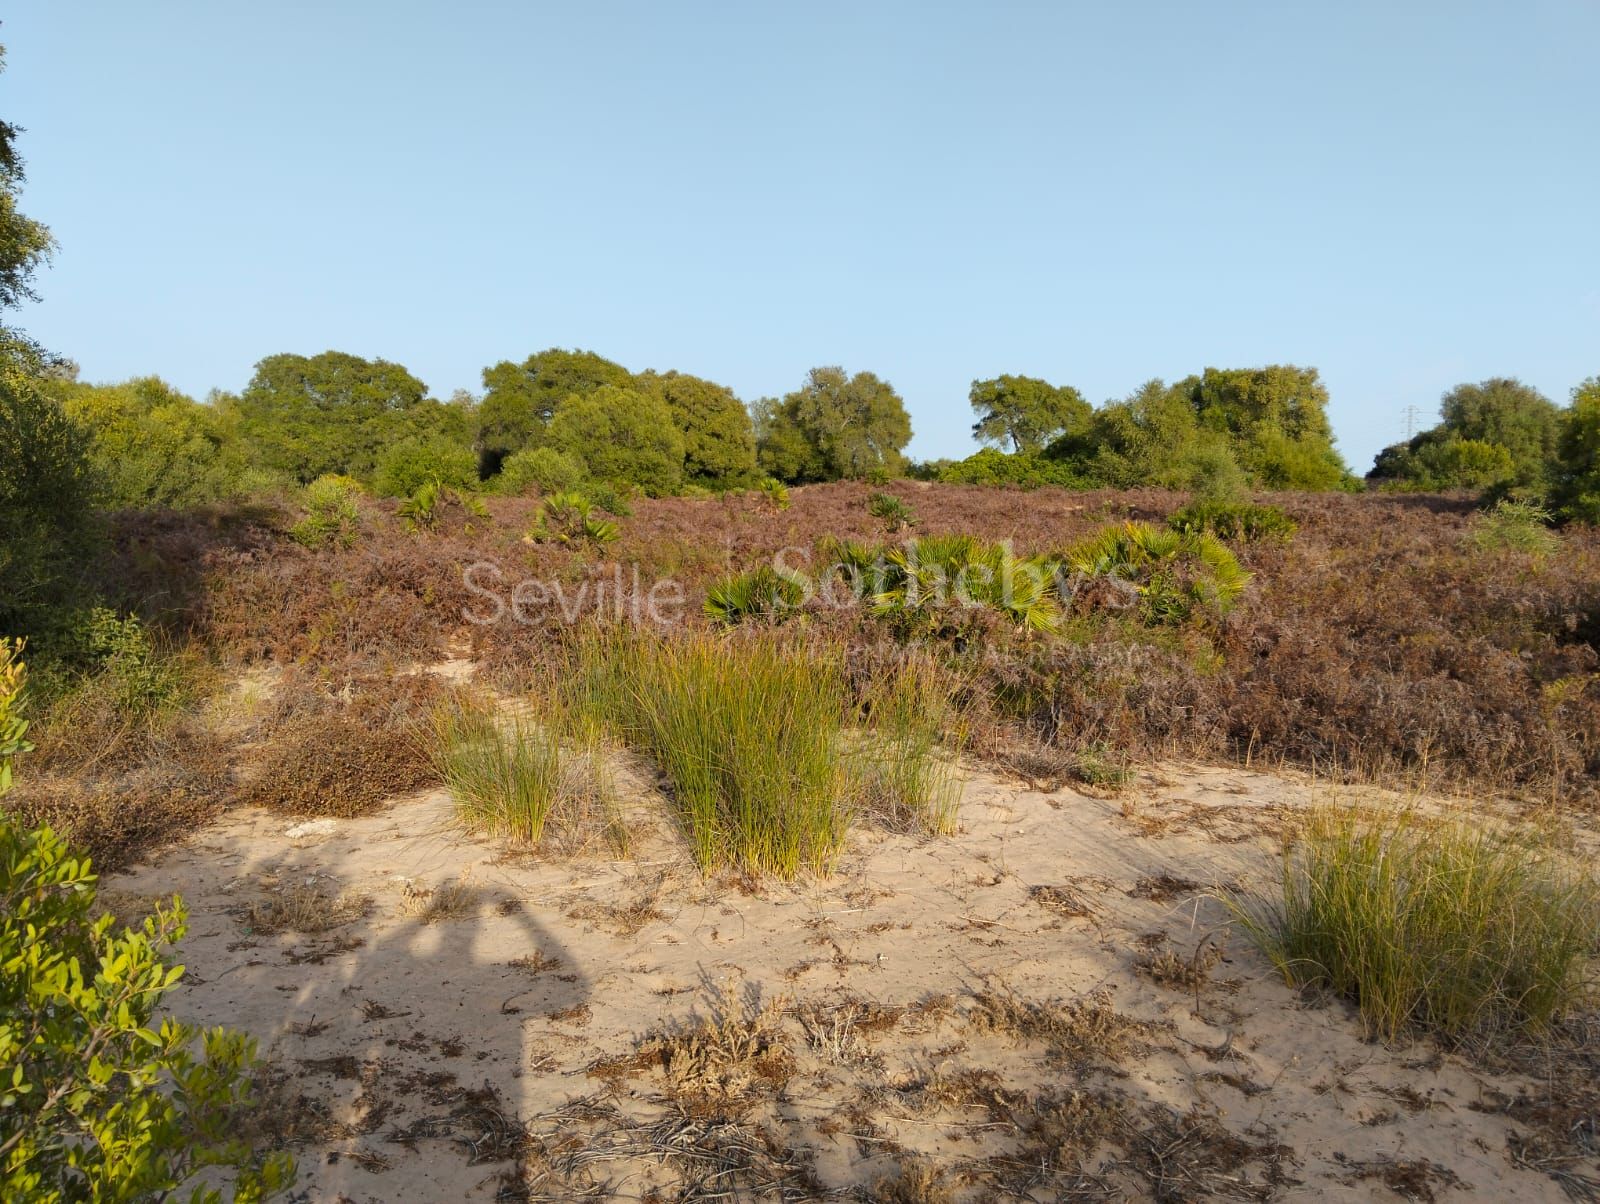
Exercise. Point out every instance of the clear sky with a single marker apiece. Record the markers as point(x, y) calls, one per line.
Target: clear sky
point(1405, 195)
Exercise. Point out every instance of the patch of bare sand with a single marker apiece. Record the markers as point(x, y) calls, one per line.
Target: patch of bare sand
point(1044, 1006)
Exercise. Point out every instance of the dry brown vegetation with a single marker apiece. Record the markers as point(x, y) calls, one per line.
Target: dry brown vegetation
point(1381, 641)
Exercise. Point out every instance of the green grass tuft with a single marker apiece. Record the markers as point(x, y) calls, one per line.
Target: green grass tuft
point(747, 733)
point(1446, 926)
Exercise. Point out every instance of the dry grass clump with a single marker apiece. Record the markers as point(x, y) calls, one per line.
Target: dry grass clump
point(1446, 925)
point(119, 817)
point(1076, 1031)
point(458, 900)
point(724, 1062)
point(906, 760)
point(305, 910)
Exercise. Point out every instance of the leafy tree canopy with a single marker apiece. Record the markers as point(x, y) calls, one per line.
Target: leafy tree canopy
point(151, 445)
point(621, 436)
point(834, 426)
point(1500, 413)
point(1025, 411)
point(718, 440)
point(521, 399)
point(306, 416)
point(1577, 474)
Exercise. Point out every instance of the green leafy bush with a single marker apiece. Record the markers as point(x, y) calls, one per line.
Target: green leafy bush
point(1177, 576)
point(1242, 521)
point(1516, 526)
point(423, 509)
point(569, 518)
point(99, 1101)
point(1451, 926)
point(332, 514)
point(893, 512)
point(538, 469)
point(412, 463)
point(761, 593)
point(1577, 474)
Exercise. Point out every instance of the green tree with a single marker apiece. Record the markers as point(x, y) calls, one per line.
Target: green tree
point(718, 441)
point(1149, 438)
point(306, 416)
point(24, 243)
point(834, 426)
point(1506, 412)
point(47, 489)
point(1025, 411)
point(1276, 419)
point(1498, 413)
point(1577, 474)
point(622, 437)
point(47, 497)
point(521, 399)
point(150, 445)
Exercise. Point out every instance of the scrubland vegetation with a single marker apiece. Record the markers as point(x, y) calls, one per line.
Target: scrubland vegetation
point(246, 601)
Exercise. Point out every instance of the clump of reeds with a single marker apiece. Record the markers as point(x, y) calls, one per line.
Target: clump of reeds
point(746, 732)
point(1457, 927)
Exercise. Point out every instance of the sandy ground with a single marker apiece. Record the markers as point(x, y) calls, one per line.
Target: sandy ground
point(963, 1017)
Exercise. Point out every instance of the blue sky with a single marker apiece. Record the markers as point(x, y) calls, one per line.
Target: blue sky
point(1404, 195)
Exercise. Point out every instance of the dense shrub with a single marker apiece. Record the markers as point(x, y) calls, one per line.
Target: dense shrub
point(332, 513)
point(345, 756)
point(47, 498)
point(412, 463)
point(1577, 475)
point(538, 469)
point(1243, 521)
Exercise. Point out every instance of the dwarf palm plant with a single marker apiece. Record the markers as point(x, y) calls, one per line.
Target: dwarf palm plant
point(1175, 573)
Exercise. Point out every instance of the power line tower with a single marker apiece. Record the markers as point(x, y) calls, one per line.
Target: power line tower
point(1412, 416)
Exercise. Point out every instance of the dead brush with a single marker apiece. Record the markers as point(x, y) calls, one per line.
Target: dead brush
point(1168, 968)
point(458, 900)
point(1078, 1032)
point(836, 1033)
point(730, 1058)
point(305, 910)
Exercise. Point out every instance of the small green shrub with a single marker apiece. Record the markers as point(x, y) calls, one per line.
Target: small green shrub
point(894, 513)
point(98, 1101)
point(1176, 576)
point(539, 469)
point(747, 734)
point(423, 509)
point(776, 493)
point(603, 495)
point(1245, 522)
point(332, 515)
point(1519, 526)
point(1449, 926)
point(412, 463)
point(930, 578)
point(569, 518)
point(761, 593)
